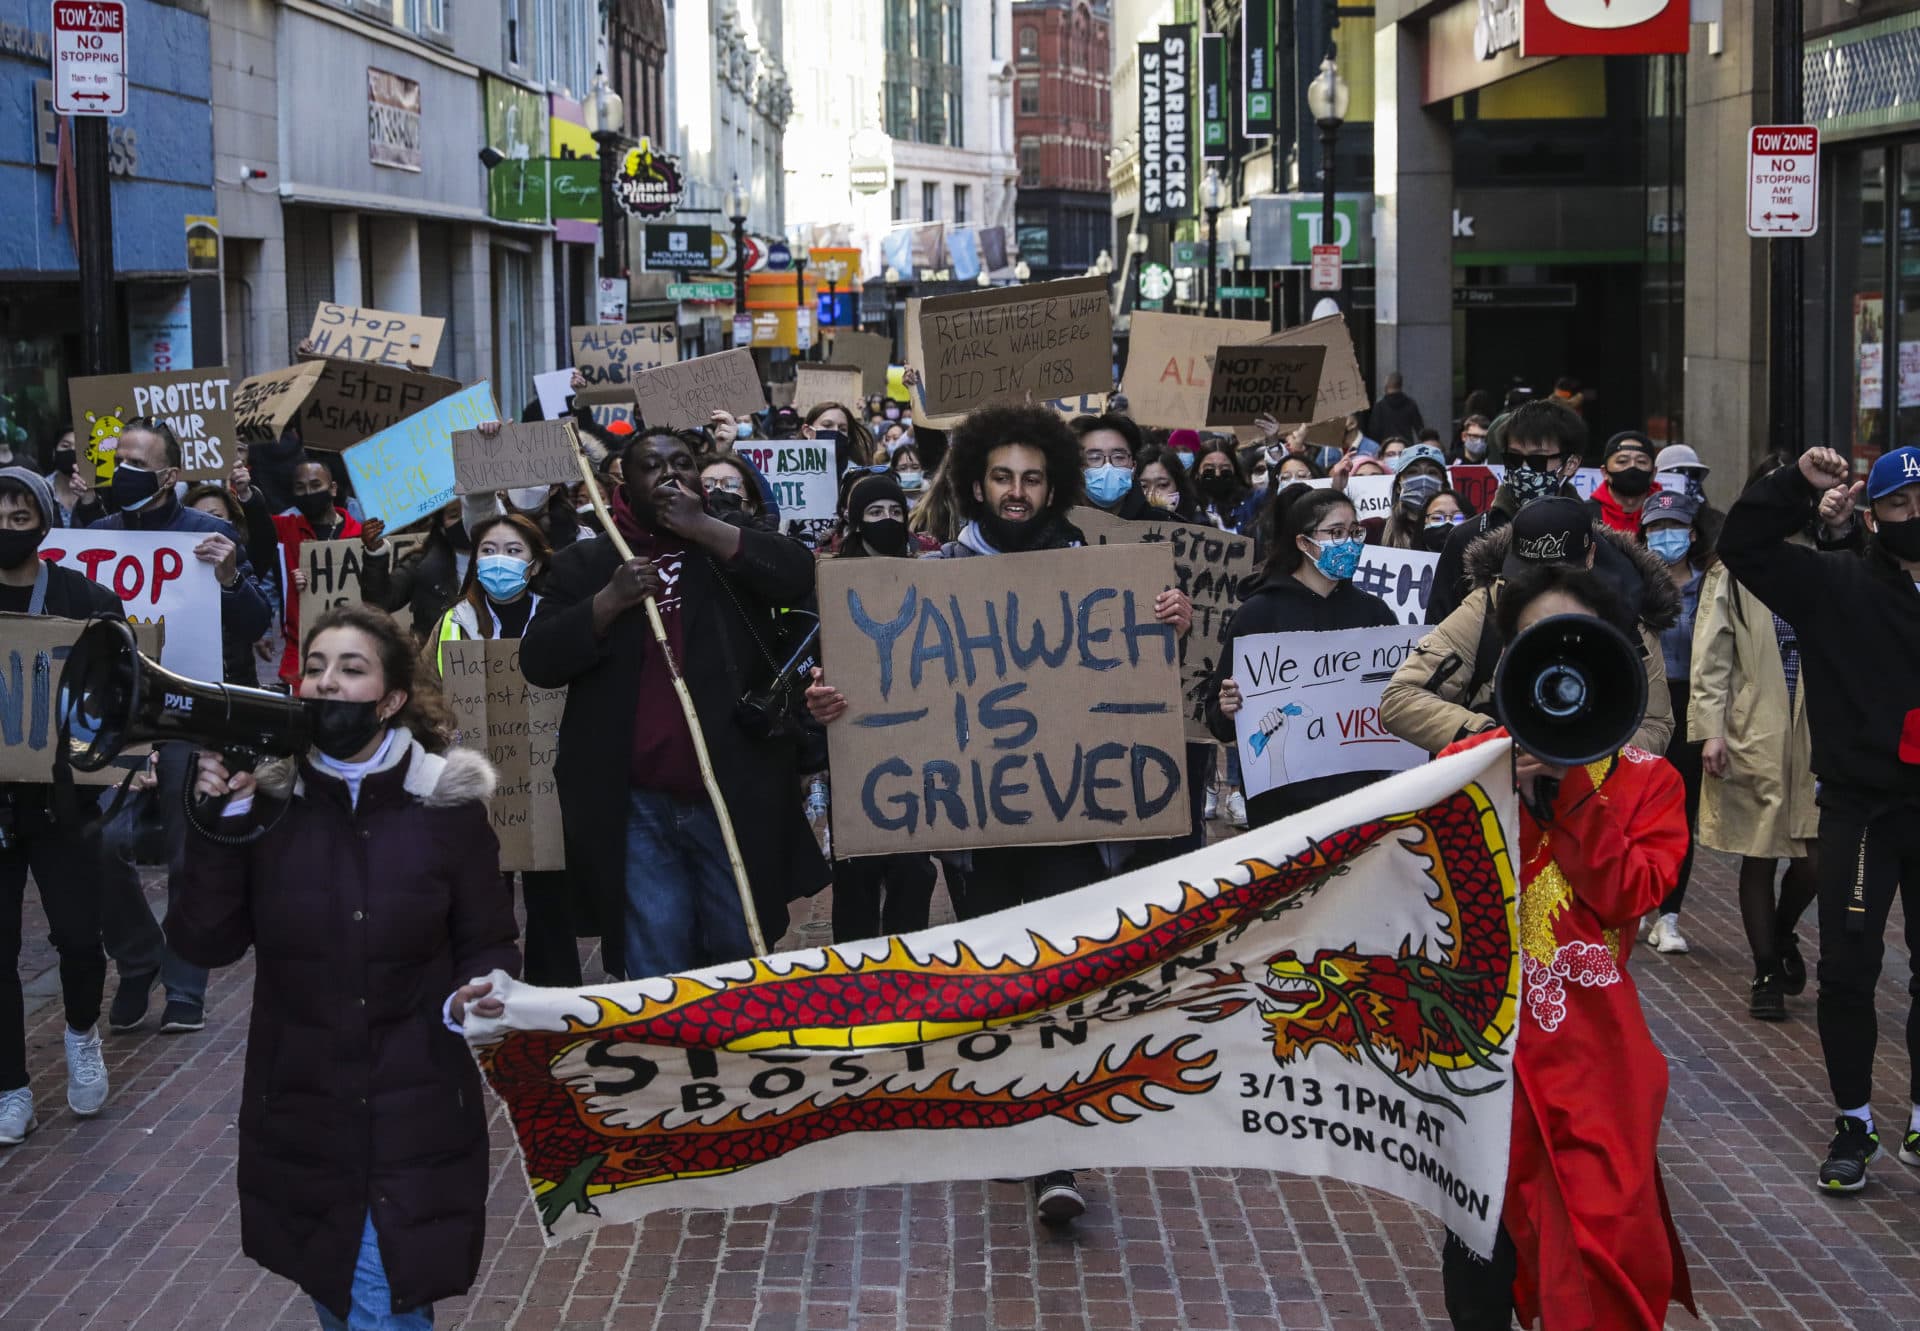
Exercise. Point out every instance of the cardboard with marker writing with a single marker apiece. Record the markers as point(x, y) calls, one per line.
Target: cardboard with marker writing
point(334, 403)
point(1016, 344)
point(198, 404)
point(614, 353)
point(683, 396)
point(1025, 699)
point(1341, 389)
point(814, 384)
point(380, 337)
point(517, 726)
point(33, 651)
point(334, 568)
point(520, 453)
point(870, 353)
point(1170, 363)
point(1281, 382)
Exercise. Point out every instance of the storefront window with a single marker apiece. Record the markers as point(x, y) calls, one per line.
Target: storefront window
point(1907, 283)
point(1863, 237)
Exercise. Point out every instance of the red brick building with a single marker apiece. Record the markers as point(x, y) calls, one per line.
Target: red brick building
point(1062, 130)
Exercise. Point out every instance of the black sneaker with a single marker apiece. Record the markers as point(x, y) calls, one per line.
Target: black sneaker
point(1910, 1148)
point(181, 1016)
point(1057, 1199)
point(1767, 1002)
point(1853, 1146)
point(1793, 967)
point(130, 1001)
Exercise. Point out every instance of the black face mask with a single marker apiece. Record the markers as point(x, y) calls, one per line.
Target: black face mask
point(1007, 536)
point(340, 728)
point(725, 503)
point(1631, 483)
point(886, 537)
point(1217, 485)
point(1900, 539)
point(17, 547)
point(1435, 538)
point(132, 487)
point(315, 506)
point(64, 461)
point(457, 535)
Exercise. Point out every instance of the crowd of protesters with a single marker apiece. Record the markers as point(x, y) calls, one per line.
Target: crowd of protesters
point(1777, 641)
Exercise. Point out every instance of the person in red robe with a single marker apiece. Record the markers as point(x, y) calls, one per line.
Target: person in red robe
point(1587, 1242)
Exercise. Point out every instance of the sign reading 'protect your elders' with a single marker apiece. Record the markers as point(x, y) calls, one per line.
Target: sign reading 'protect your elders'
point(1018, 700)
point(195, 403)
point(1334, 996)
point(1016, 344)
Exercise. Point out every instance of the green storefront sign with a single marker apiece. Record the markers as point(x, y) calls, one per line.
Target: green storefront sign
point(1257, 73)
point(517, 130)
point(699, 291)
point(1242, 293)
point(573, 189)
point(1282, 230)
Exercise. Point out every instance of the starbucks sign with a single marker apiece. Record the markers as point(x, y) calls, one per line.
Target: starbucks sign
point(1156, 281)
point(648, 183)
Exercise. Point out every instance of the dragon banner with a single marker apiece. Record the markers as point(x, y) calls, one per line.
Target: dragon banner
point(1334, 995)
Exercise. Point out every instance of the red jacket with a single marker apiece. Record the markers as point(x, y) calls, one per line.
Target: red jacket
point(1584, 1206)
point(294, 531)
point(1609, 510)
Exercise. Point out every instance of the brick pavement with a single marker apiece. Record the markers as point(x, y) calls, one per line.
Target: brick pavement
point(130, 1220)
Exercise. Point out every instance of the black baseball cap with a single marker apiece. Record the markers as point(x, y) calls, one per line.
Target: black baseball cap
point(1549, 531)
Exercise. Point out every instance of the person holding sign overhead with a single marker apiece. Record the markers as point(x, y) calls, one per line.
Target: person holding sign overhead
point(649, 849)
point(1306, 585)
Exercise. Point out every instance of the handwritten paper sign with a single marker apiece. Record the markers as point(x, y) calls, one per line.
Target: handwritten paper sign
point(1251, 382)
point(814, 384)
point(614, 353)
point(801, 474)
point(1170, 363)
point(33, 651)
point(553, 389)
point(522, 453)
point(1212, 567)
point(405, 472)
point(334, 403)
point(159, 580)
point(196, 403)
point(676, 397)
point(1401, 578)
point(1342, 391)
point(1312, 704)
point(517, 727)
point(1021, 343)
point(381, 337)
point(869, 352)
point(333, 573)
point(1011, 700)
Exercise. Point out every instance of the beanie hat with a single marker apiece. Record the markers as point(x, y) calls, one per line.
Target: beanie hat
point(1184, 441)
point(37, 487)
point(871, 489)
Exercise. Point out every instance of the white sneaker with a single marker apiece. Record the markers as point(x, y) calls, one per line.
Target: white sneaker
point(1213, 804)
point(1665, 935)
point(1237, 809)
point(86, 1073)
point(16, 1116)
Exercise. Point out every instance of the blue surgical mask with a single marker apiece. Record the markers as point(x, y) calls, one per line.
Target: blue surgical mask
point(1670, 543)
point(1329, 455)
point(1106, 482)
point(1338, 559)
point(1186, 458)
point(503, 576)
point(744, 430)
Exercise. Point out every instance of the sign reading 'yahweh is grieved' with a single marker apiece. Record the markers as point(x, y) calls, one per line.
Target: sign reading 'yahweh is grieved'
point(1016, 700)
point(1016, 344)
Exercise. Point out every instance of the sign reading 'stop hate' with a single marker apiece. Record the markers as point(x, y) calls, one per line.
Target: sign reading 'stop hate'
point(1013, 700)
point(195, 403)
point(381, 337)
point(1016, 344)
point(333, 403)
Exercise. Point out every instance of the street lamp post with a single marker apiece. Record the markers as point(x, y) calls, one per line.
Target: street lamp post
point(834, 270)
point(1021, 271)
point(607, 121)
point(800, 256)
point(1327, 101)
point(892, 280)
point(1210, 199)
point(736, 205)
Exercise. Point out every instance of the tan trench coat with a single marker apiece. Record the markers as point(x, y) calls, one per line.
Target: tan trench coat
point(1764, 806)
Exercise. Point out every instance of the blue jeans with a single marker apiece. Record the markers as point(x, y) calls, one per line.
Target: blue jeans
point(683, 910)
point(372, 1300)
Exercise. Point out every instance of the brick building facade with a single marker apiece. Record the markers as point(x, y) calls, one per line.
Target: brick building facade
point(1062, 121)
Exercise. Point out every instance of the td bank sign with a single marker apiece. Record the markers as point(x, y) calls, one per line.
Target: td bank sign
point(1282, 230)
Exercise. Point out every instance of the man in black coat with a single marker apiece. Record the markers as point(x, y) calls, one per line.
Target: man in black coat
point(65, 864)
point(638, 822)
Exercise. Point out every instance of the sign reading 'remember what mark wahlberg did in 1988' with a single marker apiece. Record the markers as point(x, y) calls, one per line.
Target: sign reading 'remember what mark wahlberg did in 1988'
point(1016, 344)
point(1025, 699)
point(193, 402)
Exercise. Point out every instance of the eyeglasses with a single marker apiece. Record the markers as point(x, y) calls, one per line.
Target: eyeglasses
point(731, 487)
point(1475, 434)
point(1337, 534)
point(1118, 457)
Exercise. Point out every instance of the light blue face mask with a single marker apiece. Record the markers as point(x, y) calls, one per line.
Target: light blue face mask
point(1186, 458)
point(1338, 559)
point(1106, 482)
point(1670, 543)
point(502, 576)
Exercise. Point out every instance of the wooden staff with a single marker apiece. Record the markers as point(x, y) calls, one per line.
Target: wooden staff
point(686, 710)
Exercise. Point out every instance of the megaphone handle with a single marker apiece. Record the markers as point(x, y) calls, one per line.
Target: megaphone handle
point(1545, 794)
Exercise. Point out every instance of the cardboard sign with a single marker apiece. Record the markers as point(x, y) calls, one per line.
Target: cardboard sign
point(33, 650)
point(159, 580)
point(1023, 699)
point(801, 473)
point(607, 405)
point(521, 454)
point(1342, 392)
point(614, 353)
point(1250, 382)
point(333, 573)
point(517, 727)
point(870, 352)
point(917, 397)
point(814, 384)
point(676, 397)
point(1312, 705)
point(380, 337)
point(1016, 344)
point(1213, 568)
point(198, 405)
point(553, 389)
point(334, 403)
point(1170, 363)
point(1084, 404)
point(1401, 578)
point(405, 472)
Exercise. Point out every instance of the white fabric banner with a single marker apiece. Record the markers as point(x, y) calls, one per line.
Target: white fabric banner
point(1334, 996)
point(1311, 704)
point(159, 580)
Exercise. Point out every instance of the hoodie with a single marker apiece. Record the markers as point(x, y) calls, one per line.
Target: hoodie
point(1395, 414)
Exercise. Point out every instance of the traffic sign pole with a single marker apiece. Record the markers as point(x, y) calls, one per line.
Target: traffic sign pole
point(90, 84)
point(1786, 349)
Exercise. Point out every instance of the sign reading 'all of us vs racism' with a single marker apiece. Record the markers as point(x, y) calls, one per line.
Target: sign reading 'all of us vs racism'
point(1013, 700)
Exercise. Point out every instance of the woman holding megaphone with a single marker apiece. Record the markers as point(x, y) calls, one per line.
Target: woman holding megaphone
point(364, 875)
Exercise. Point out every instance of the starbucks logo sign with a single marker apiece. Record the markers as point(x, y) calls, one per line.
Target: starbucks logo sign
point(1156, 280)
point(648, 183)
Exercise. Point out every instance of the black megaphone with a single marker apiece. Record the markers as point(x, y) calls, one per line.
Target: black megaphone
point(1571, 690)
point(112, 697)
